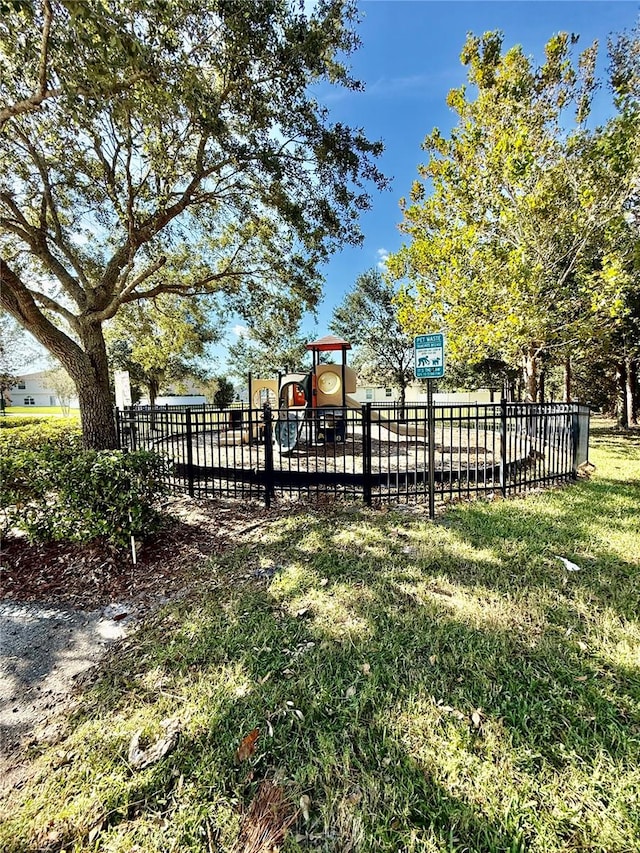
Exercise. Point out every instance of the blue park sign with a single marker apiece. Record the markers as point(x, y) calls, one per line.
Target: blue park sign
point(429, 356)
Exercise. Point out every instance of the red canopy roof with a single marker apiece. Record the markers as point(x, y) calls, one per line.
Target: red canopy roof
point(330, 343)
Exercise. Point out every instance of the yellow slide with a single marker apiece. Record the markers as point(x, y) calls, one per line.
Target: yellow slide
point(391, 425)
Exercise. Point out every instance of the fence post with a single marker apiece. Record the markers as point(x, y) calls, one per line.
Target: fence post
point(503, 447)
point(366, 454)
point(133, 427)
point(575, 439)
point(268, 454)
point(189, 435)
point(116, 414)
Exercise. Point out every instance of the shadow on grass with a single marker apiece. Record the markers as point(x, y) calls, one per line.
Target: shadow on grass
point(363, 667)
point(430, 687)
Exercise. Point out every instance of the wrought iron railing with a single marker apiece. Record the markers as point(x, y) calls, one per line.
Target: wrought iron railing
point(376, 453)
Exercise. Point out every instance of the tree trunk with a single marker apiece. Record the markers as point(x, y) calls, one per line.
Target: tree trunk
point(86, 364)
point(530, 374)
point(94, 393)
point(567, 379)
point(632, 391)
point(541, 386)
point(153, 387)
point(622, 412)
point(402, 400)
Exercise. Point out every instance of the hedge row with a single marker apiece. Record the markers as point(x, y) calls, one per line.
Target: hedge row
point(54, 491)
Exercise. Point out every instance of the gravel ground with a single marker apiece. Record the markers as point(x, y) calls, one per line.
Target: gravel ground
point(45, 650)
point(63, 605)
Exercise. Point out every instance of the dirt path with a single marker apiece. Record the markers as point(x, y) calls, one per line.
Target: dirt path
point(63, 606)
point(45, 649)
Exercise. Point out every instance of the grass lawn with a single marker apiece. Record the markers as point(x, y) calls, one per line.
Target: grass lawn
point(41, 410)
point(416, 686)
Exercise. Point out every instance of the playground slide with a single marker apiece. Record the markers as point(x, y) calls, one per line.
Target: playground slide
point(391, 425)
point(288, 428)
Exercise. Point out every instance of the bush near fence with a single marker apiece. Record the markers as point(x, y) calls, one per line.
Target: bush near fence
point(53, 490)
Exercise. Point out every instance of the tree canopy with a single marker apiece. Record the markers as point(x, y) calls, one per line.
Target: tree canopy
point(170, 147)
point(367, 318)
point(507, 220)
point(162, 341)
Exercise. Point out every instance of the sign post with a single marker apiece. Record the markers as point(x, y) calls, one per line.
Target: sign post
point(429, 364)
point(122, 387)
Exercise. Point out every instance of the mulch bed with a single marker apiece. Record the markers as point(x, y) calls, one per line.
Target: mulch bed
point(90, 576)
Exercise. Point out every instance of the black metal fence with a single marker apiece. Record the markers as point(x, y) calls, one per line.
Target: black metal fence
point(377, 453)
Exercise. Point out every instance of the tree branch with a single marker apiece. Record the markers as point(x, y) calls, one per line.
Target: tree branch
point(43, 92)
point(36, 238)
point(16, 298)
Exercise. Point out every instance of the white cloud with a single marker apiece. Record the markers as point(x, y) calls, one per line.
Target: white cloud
point(240, 331)
point(382, 255)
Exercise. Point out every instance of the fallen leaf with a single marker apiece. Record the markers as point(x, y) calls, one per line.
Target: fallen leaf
point(354, 797)
point(351, 691)
point(432, 659)
point(247, 746)
point(569, 566)
point(366, 668)
point(476, 718)
point(305, 805)
point(142, 757)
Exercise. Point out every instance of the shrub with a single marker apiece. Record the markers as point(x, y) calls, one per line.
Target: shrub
point(37, 434)
point(11, 422)
point(53, 490)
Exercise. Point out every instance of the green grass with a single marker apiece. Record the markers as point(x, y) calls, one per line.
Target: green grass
point(40, 410)
point(429, 686)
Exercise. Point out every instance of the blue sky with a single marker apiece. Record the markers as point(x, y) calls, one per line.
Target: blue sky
point(408, 61)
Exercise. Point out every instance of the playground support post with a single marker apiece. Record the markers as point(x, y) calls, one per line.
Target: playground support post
point(431, 431)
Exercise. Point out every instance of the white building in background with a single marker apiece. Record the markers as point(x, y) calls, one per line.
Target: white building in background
point(33, 389)
point(417, 393)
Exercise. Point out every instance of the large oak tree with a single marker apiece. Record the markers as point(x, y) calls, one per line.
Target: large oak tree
point(175, 147)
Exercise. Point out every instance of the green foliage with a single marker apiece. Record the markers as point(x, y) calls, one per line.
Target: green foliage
point(54, 491)
point(224, 393)
point(271, 344)
point(160, 343)
point(367, 318)
point(18, 422)
point(507, 222)
point(39, 434)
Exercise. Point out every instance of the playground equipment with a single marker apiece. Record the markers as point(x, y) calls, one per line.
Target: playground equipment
point(316, 399)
